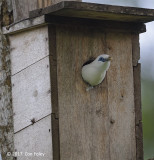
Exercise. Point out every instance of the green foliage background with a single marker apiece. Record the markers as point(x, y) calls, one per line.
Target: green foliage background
point(148, 117)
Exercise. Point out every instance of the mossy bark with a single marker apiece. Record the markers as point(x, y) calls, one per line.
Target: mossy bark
point(6, 113)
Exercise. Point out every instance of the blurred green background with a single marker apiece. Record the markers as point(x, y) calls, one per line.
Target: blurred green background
point(147, 74)
point(148, 117)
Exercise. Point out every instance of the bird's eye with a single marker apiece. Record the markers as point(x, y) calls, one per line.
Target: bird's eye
point(101, 59)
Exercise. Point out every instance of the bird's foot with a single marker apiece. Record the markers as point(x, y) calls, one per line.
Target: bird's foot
point(89, 88)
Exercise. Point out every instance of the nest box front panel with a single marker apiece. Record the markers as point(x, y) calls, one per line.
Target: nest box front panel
point(98, 124)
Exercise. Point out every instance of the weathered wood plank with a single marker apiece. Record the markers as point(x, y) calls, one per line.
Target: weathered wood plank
point(28, 48)
point(97, 11)
point(137, 96)
point(20, 9)
point(24, 25)
point(47, 3)
point(121, 97)
point(44, 3)
point(53, 69)
point(46, 19)
point(40, 3)
point(54, 92)
point(31, 94)
point(35, 139)
point(83, 116)
point(138, 112)
point(135, 49)
point(80, 113)
point(55, 137)
point(57, 1)
point(32, 5)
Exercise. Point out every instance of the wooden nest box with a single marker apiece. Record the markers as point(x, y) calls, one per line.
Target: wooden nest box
point(53, 112)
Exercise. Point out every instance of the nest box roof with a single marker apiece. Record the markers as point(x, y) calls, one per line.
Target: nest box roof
point(97, 11)
point(68, 11)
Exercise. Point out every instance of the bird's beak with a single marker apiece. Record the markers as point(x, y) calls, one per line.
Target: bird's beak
point(109, 58)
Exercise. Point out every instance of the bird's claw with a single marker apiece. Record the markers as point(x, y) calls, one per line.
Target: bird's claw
point(89, 88)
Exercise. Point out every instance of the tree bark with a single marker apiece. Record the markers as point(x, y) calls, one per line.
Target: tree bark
point(6, 118)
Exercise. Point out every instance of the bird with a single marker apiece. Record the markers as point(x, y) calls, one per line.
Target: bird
point(94, 70)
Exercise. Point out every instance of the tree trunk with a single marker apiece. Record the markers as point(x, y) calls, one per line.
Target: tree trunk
point(6, 118)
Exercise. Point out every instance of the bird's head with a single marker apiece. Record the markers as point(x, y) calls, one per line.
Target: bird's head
point(103, 58)
point(102, 61)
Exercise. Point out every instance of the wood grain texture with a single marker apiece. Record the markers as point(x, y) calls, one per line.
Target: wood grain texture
point(40, 3)
point(32, 5)
point(98, 11)
point(55, 137)
point(121, 97)
point(83, 116)
point(44, 3)
point(21, 8)
point(54, 91)
point(135, 49)
point(31, 94)
point(36, 138)
point(99, 124)
point(53, 69)
point(24, 25)
point(28, 48)
point(138, 112)
point(57, 1)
